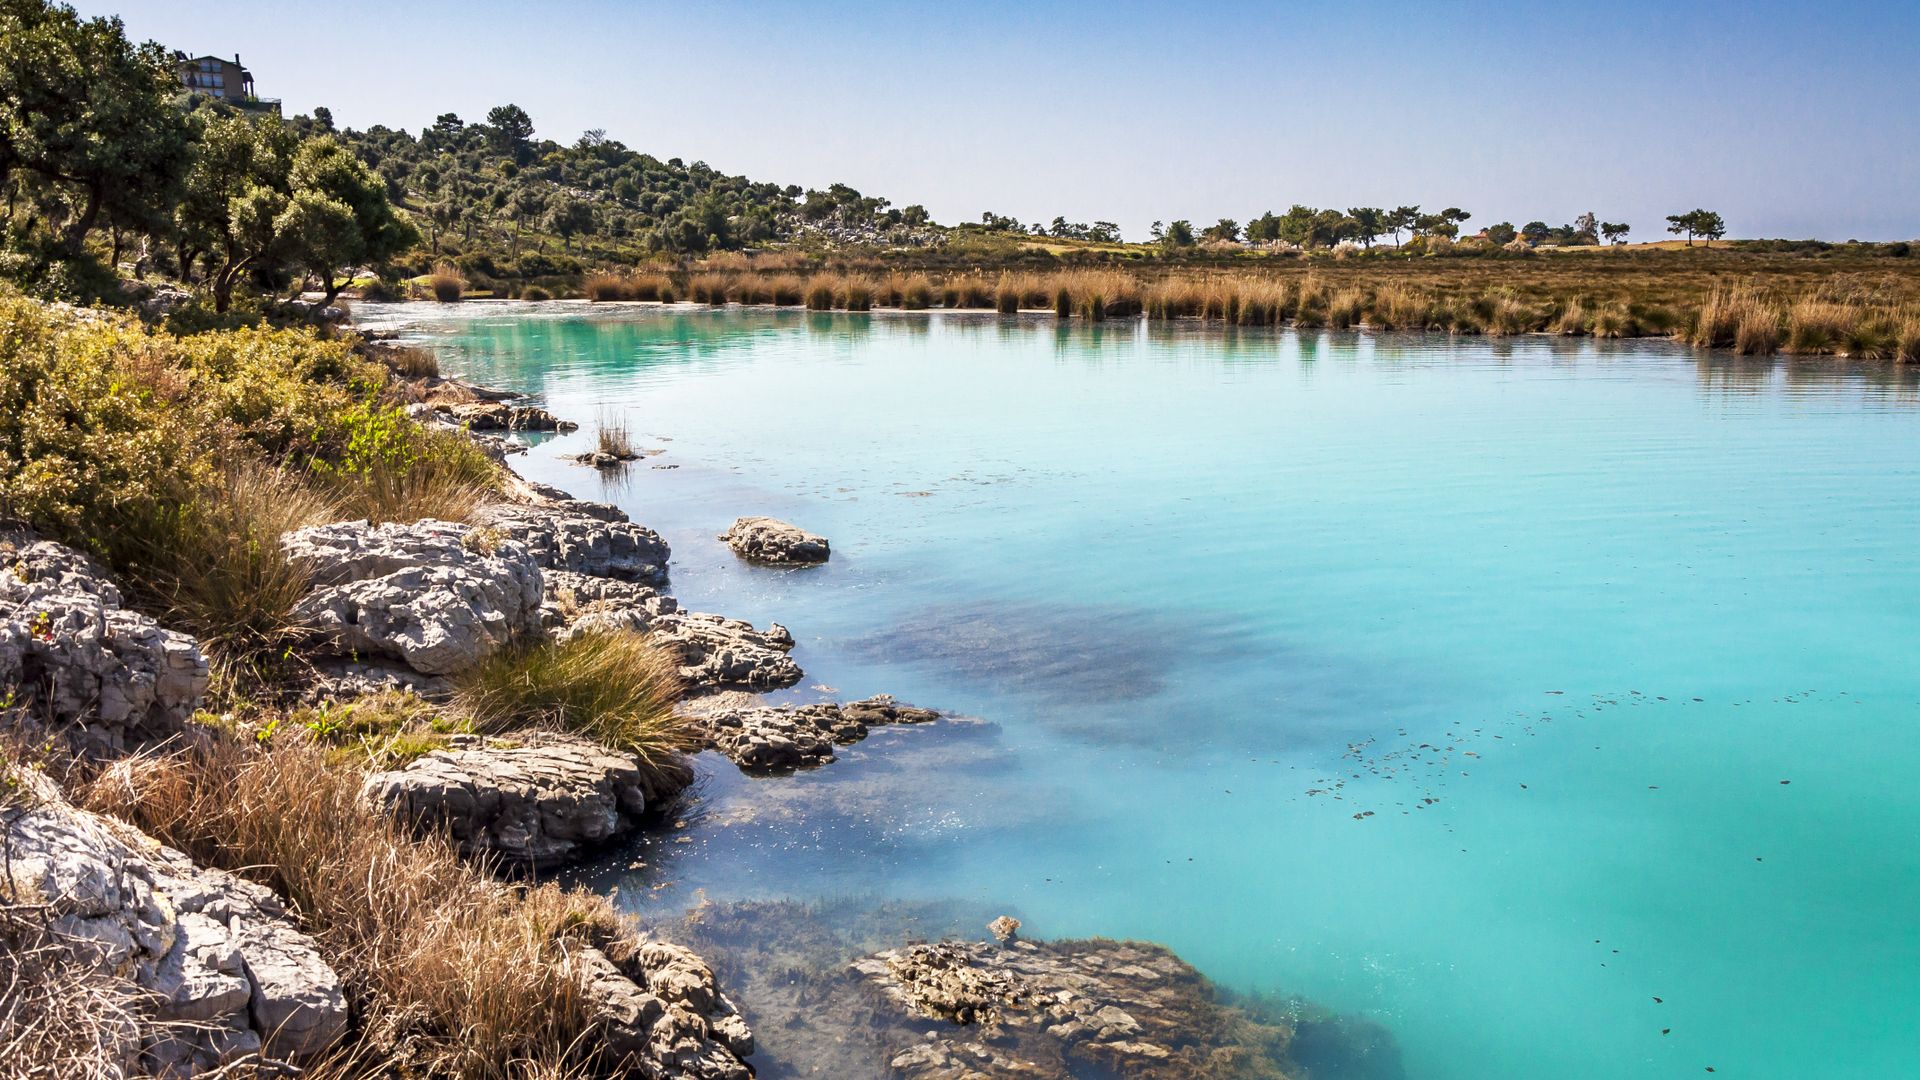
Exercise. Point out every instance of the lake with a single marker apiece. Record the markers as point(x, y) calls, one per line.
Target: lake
point(1554, 704)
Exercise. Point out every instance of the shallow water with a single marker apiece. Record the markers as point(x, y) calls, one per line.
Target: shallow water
point(1533, 698)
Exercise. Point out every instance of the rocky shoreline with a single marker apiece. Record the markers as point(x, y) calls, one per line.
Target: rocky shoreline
point(406, 609)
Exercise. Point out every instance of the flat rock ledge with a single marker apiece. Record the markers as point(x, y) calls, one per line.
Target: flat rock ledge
point(228, 973)
point(437, 595)
point(108, 676)
point(768, 540)
point(539, 800)
point(781, 737)
point(498, 416)
point(718, 653)
point(583, 538)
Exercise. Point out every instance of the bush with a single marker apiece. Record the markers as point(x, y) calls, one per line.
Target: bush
point(615, 687)
point(535, 293)
point(180, 460)
point(446, 283)
point(389, 468)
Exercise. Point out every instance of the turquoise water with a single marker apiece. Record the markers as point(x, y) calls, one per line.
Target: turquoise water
point(1533, 698)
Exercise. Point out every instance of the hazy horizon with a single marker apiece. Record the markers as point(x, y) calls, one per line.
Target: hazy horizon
point(1790, 120)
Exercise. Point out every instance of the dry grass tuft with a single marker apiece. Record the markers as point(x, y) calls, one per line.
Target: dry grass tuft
point(217, 569)
point(1509, 315)
point(1817, 327)
point(601, 288)
point(616, 687)
point(410, 361)
point(450, 974)
point(611, 435)
point(446, 283)
point(710, 289)
point(1573, 320)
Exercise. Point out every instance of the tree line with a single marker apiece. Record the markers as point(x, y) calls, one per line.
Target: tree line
point(94, 140)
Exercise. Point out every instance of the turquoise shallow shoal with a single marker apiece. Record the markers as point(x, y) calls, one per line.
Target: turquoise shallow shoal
point(1493, 689)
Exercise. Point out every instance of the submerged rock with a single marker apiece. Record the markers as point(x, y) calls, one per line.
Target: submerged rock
point(228, 972)
point(767, 737)
point(70, 649)
point(583, 542)
point(539, 800)
point(829, 999)
point(436, 595)
point(765, 539)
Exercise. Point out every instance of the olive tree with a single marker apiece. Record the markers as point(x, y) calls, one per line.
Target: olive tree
point(88, 116)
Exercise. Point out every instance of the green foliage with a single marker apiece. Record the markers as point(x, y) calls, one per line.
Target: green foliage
point(1701, 223)
point(383, 466)
point(87, 123)
point(181, 460)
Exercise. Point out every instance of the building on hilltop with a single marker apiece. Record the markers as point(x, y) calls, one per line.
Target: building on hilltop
point(222, 80)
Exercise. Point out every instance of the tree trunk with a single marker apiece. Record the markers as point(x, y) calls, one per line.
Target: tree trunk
point(77, 232)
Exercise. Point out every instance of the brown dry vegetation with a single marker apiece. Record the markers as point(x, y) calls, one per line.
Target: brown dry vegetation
point(1866, 308)
point(450, 973)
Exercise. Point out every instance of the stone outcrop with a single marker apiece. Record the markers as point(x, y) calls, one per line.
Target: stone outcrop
point(572, 600)
point(67, 646)
point(778, 737)
point(499, 416)
point(535, 801)
point(767, 540)
point(436, 595)
point(583, 543)
point(721, 653)
point(228, 972)
point(661, 1013)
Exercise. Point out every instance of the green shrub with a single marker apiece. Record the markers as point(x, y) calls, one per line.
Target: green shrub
point(385, 467)
point(179, 461)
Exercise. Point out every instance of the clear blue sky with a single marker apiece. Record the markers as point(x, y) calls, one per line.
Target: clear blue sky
point(1792, 119)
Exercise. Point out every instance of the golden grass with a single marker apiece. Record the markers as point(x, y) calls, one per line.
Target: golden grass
point(410, 361)
point(217, 569)
point(604, 287)
point(611, 435)
point(446, 283)
point(449, 974)
point(1820, 326)
point(616, 687)
point(1400, 307)
point(710, 289)
point(1622, 296)
point(1907, 348)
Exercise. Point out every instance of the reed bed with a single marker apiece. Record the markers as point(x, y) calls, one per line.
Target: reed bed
point(1846, 315)
point(710, 289)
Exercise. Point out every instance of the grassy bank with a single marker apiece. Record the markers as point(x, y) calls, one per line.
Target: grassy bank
point(1786, 303)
